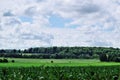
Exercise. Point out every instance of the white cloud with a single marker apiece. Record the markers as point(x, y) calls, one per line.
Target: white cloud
point(97, 23)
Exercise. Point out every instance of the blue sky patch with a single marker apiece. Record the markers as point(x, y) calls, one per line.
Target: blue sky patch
point(26, 19)
point(57, 21)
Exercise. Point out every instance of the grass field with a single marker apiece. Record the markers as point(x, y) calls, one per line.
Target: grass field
point(56, 62)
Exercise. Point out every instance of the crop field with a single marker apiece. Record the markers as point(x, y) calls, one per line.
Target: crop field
point(59, 69)
point(20, 62)
point(61, 73)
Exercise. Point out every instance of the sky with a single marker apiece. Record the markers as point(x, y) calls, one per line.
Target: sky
point(46, 23)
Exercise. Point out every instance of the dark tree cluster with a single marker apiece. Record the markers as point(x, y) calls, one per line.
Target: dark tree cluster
point(3, 60)
point(109, 57)
point(105, 54)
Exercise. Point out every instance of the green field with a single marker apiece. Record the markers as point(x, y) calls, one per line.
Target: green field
point(60, 69)
point(61, 73)
point(56, 62)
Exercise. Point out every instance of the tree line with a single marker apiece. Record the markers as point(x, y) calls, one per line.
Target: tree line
point(103, 53)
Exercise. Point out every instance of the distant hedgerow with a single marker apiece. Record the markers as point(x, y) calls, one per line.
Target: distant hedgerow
point(3, 60)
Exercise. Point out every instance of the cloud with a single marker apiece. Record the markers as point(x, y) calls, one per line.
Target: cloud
point(26, 23)
point(89, 9)
point(30, 11)
point(101, 43)
point(41, 37)
point(40, 0)
point(8, 14)
point(12, 22)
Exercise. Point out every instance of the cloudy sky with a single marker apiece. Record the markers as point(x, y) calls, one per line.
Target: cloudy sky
point(35, 23)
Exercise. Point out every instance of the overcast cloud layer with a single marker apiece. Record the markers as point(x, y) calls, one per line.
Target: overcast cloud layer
point(36, 23)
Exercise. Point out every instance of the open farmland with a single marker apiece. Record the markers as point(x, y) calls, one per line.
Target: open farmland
point(59, 69)
point(61, 73)
point(20, 62)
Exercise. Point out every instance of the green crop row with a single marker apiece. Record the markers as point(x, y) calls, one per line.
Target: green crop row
point(61, 73)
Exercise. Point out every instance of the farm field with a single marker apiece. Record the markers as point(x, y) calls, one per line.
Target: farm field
point(61, 73)
point(20, 62)
point(59, 69)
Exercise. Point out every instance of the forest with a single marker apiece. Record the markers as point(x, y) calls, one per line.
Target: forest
point(103, 53)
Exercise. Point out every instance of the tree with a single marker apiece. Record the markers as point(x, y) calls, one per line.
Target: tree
point(117, 59)
point(103, 57)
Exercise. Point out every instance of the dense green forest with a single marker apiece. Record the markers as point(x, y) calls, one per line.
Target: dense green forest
point(105, 54)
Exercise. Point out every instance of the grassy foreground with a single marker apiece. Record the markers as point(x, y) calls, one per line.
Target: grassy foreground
point(61, 73)
point(56, 62)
